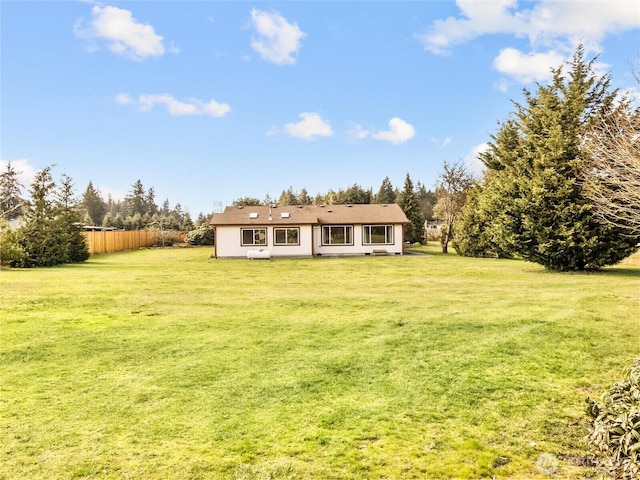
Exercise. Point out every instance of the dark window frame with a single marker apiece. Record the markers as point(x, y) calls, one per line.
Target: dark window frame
point(347, 236)
point(254, 243)
point(287, 242)
point(388, 234)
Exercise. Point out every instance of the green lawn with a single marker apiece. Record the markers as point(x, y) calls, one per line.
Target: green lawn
point(167, 364)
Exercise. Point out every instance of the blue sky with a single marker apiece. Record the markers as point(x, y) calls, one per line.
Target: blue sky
point(210, 101)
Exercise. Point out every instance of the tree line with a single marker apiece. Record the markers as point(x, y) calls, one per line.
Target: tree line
point(415, 200)
point(50, 227)
point(561, 187)
point(44, 229)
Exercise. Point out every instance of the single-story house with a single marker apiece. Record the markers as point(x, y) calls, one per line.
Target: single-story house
point(309, 230)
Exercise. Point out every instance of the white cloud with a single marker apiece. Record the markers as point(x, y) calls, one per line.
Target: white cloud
point(548, 23)
point(532, 67)
point(311, 125)
point(553, 28)
point(502, 85)
point(26, 172)
point(278, 40)
point(357, 132)
point(106, 192)
point(175, 107)
point(399, 132)
point(446, 142)
point(480, 18)
point(124, 99)
point(472, 162)
point(124, 34)
point(633, 94)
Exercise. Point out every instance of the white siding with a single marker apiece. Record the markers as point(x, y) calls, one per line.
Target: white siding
point(229, 242)
point(358, 248)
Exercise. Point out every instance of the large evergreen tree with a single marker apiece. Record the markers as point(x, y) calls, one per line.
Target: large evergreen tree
point(94, 205)
point(533, 196)
point(42, 237)
point(386, 193)
point(10, 193)
point(137, 200)
point(68, 219)
point(408, 201)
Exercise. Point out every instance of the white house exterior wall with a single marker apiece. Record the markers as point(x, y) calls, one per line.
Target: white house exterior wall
point(358, 248)
point(228, 240)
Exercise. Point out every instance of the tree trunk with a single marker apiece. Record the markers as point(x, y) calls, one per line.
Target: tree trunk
point(444, 238)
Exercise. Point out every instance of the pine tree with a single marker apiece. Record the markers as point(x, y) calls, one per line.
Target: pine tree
point(427, 200)
point(386, 193)
point(304, 198)
point(408, 201)
point(136, 200)
point(533, 194)
point(10, 193)
point(94, 205)
point(68, 221)
point(42, 237)
point(354, 195)
point(287, 197)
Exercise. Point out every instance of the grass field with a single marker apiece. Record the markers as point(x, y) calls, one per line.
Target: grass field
point(167, 364)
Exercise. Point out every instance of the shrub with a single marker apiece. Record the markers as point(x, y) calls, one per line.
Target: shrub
point(202, 235)
point(10, 249)
point(616, 424)
point(165, 238)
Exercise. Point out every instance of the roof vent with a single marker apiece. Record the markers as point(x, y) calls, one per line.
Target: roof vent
point(349, 205)
point(253, 215)
point(329, 210)
point(285, 215)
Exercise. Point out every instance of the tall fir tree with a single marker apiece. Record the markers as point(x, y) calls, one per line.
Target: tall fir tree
point(11, 199)
point(42, 237)
point(94, 205)
point(533, 195)
point(137, 200)
point(386, 193)
point(69, 222)
point(408, 201)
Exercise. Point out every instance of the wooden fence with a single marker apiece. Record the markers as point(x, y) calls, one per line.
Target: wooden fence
point(118, 240)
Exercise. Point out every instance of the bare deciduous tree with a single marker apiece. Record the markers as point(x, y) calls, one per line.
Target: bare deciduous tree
point(612, 170)
point(451, 192)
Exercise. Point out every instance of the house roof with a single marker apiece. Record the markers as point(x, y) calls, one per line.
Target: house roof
point(310, 215)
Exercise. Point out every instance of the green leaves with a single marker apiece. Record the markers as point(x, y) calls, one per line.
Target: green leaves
point(616, 425)
point(531, 203)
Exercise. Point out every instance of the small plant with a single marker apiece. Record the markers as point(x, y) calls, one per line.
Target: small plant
point(616, 424)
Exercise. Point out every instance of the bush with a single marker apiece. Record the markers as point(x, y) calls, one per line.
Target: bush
point(616, 424)
point(10, 249)
point(165, 238)
point(202, 235)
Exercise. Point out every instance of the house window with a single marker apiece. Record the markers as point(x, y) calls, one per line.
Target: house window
point(287, 236)
point(337, 235)
point(377, 234)
point(254, 236)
